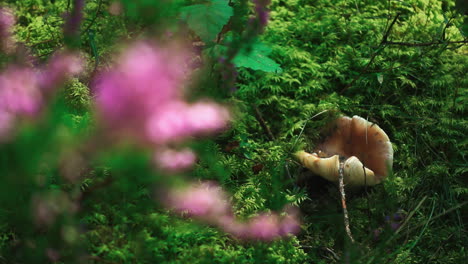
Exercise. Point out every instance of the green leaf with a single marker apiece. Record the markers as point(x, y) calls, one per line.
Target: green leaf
point(257, 59)
point(208, 19)
point(380, 78)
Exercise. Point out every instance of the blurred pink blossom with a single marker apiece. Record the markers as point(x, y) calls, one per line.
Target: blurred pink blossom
point(73, 19)
point(175, 160)
point(23, 89)
point(208, 202)
point(144, 80)
point(6, 125)
point(60, 67)
point(7, 21)
point(262, 11)
point(205, 117)
point(179, 120)
point(270, 226)
point(142, 96)
point(264, 227)
point(231, 225)
point(115, 8)
point(169, 124)
point(19, 94)
point(205, 200)
point(290, 225)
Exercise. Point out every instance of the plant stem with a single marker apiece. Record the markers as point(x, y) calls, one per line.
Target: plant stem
point(343, 201)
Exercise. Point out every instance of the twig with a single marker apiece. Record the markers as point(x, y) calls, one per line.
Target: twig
point(95, 17)
point(445, 27)
point(425, 44)
point(387, 33)
point(303, 127)
point(41, 42)
point(385, 42)
point(376, 52)
point(409, 217)
point(258, 116)
point(437, 216)
point(440, 246)
point(343, 201)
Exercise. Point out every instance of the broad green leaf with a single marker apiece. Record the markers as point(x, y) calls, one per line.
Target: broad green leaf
point(207, 20)
point(257, 58)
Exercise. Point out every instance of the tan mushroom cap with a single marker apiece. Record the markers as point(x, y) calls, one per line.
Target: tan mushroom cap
point(362, 139)
point(367, 151)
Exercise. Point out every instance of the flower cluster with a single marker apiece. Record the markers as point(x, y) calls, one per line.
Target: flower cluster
point(208, 202)
point(73, 21)
point(142, 98)
point(263, 14)
point(174, 161)
point(392, 223)
point(23, 89)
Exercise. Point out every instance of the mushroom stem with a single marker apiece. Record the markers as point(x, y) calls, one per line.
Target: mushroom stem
point(325, 167)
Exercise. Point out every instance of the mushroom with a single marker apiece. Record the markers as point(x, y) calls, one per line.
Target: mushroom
point(361, 146)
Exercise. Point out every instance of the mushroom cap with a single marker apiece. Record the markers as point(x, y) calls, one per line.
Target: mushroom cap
point(362, 139)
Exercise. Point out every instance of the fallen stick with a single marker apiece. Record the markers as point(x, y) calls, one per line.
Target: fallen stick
point(343, 201)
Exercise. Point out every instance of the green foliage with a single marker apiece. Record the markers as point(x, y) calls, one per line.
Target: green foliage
point(207, 19)
point(256, 58)
point(333, 61)
point(78, 95)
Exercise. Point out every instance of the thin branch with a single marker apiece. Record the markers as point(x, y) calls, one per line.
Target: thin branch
point(95, 17)
point(376, 52)
point(445, 28)
point(425, 44)
point(458, 206)
point(303, 127)
point(41, 42)
point(343, 201)
point(258, 116)
point(387, 33)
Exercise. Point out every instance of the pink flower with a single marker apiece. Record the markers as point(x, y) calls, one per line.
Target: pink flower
point(271, 226)
point(73, 21)
point(169, 124)
point(7, 21)
point(115, 8)
point(208, 202)
point(22, 89)
point(144, 80)
point(289, 225)
point(264, 227)
point(205, 117)
point(204, 200)
point(143, 97)
point(262, 11)
point(179, 120)
point(174, 161)
point(233, 226)
point(18, 91)
point(61, 66)
point(6, 125)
